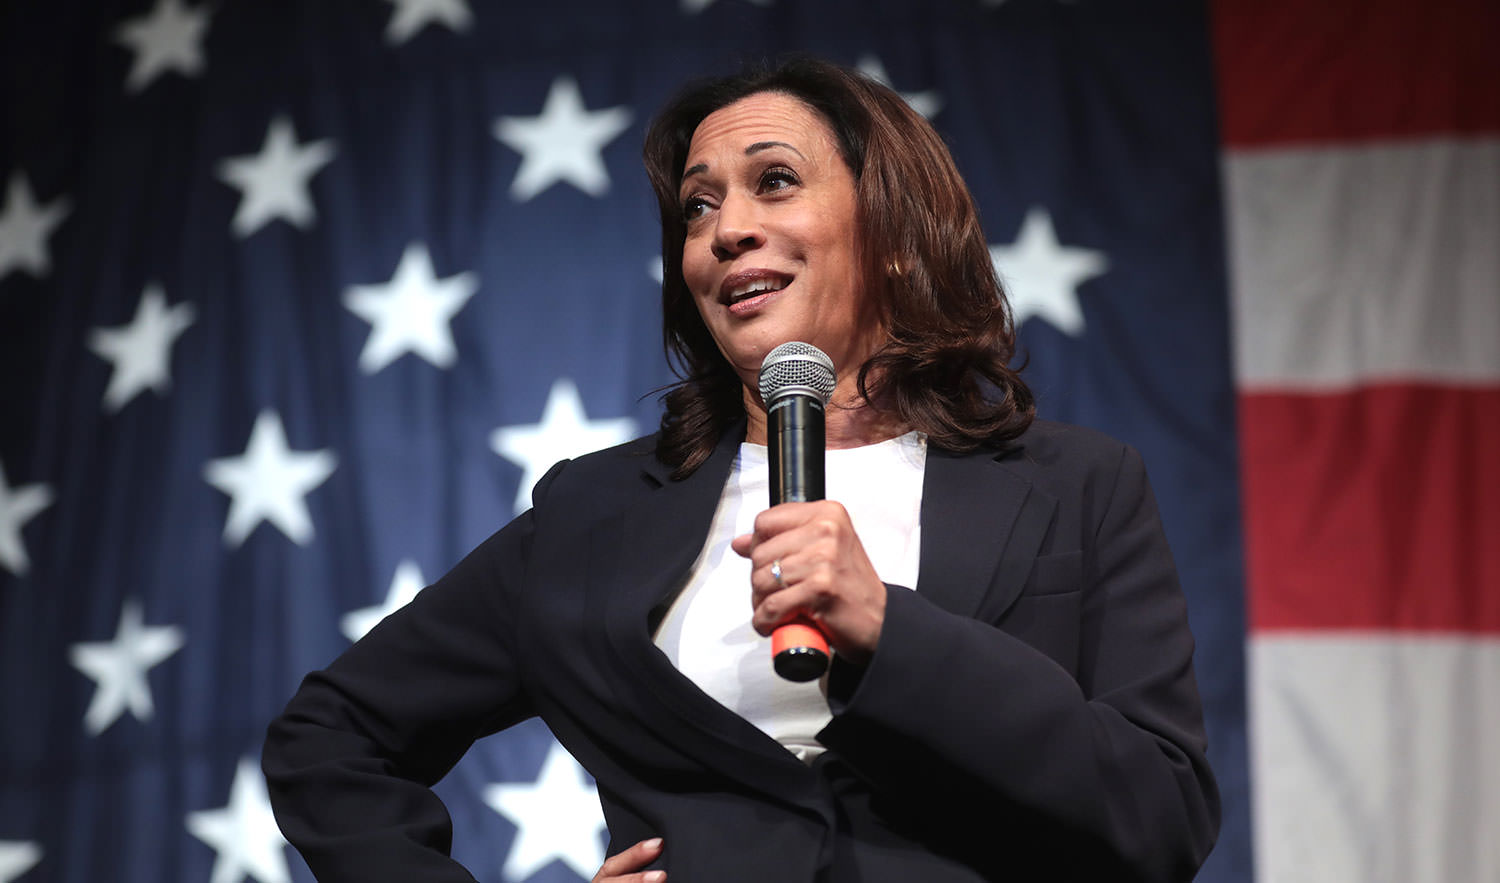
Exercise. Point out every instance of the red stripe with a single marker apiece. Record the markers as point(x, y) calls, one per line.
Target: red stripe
point(1375, 509)
point(1309, 71)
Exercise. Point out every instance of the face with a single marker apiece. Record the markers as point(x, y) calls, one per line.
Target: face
point(771, 253)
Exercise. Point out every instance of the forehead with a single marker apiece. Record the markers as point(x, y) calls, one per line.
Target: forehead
point(759, 118)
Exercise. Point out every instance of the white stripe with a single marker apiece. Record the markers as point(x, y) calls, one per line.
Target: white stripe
point(1375, 758)
point(1365, 264)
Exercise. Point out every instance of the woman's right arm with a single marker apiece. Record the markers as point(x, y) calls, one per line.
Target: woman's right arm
point(350, 762)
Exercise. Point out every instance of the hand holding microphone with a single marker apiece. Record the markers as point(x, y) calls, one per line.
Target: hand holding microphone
point(804, 553)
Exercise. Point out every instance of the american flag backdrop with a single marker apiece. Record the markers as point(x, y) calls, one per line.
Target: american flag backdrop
point(298, 299)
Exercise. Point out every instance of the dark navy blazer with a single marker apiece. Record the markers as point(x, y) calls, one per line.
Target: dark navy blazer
point(1030, 712)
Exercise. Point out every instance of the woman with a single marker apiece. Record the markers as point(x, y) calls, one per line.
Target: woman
point(1011, 694)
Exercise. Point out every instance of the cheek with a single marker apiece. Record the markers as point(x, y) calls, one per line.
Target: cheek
point(704, 307)
point(694, 271)
point(843, 261)
point(833, 235)
point(703, 315)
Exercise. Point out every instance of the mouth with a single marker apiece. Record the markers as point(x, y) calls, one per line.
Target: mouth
point(748, 286)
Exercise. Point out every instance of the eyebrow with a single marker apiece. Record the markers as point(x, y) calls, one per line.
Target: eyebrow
point(753, 149)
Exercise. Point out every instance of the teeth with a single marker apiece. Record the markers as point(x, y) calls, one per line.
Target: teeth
point(751, 288)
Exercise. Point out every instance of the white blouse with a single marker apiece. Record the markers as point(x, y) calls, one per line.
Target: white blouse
point(706, 632)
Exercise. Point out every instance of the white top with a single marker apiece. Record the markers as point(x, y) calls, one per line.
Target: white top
point(706, 632)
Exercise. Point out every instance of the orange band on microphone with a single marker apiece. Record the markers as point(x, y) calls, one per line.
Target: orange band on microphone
point(798, 633)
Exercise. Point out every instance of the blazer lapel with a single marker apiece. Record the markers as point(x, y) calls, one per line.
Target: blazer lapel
point(982, 525)
point(653, 545)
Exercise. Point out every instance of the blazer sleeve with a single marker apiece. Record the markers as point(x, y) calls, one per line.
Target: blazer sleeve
point(1106, 769)
point(350, 761)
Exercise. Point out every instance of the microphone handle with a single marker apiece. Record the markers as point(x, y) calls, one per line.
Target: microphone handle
point(795, 449)
point(794, 445)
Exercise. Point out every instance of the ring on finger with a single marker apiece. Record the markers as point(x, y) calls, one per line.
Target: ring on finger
point(776, 574)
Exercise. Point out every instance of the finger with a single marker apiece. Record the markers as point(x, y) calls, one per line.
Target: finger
point(631, 859)
point(802, 553)
point(806, 599)
point(762, 549)
point(764, 569)
point(812, 541)
point(830, 517)
point(785, 516)
point(644, 877)
point(763, 582)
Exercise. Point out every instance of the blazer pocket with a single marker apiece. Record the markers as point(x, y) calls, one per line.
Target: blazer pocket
point(1055, 574)
point(1047, 613)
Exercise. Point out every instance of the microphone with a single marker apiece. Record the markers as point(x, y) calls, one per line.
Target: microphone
point(796, 381)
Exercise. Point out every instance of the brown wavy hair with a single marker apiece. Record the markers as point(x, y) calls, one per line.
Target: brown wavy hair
point(945, 366)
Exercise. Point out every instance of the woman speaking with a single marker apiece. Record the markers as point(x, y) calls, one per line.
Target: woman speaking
point(1011, 693)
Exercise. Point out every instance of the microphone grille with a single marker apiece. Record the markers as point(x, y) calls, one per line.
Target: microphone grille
point(796, 367)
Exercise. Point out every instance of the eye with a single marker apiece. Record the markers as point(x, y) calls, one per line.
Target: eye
point(777, 178)
point(694, 207)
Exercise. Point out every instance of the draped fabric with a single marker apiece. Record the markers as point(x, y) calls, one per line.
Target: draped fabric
point(1364, 218)
point(297, 300)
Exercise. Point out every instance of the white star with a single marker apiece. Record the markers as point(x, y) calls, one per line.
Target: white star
point(563, 432)
point(244, 832)
point(411, 312)
point(404, 587)
point(268, 483)
point(1042, 276)
point(557, 817)
point(170, 38)
point(141, 351)
point(119, 667)
point(17, 857)
point(274, 182)
point(563, 143)
point(411, 16)
point(18, 506)
point(24, 228)
point(925, 103)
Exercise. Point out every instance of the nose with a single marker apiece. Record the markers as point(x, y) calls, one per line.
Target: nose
point(737, 229)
